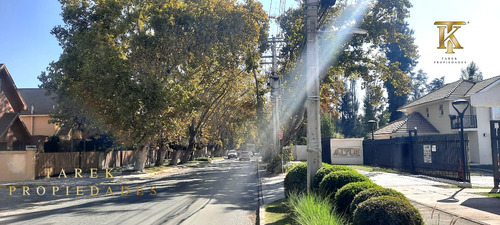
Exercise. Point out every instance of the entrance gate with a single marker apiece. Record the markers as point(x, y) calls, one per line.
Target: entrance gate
point(495, 150)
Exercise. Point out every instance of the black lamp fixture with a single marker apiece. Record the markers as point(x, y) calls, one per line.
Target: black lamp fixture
point(460, 106)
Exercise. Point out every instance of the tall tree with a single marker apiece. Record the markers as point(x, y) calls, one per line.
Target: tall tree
point(471, 73)
point(435, 84)
point(348, 109)
point(418, 86)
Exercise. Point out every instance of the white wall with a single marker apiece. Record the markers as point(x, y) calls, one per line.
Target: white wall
point(483, 135)
point(299, 152)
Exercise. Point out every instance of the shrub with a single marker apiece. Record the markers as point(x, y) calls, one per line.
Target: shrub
point(386, 210)
point(346, 194)
point(336, 180)
point(310, 209)
point(296, 179)
point(373, 192)
point(325, 170)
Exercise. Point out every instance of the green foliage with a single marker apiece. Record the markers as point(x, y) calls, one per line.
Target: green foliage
point(296, 179)
point(312, 209)
point(371, 193)
point(325, 170)
point(327, 126)
point(346, 194)
point(435, 84)
point(387, 210)
point(332, 182)
point(277, 161)
point(471, 73)
point(348, 109)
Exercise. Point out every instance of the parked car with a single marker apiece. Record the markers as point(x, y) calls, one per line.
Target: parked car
point(232, 154)
point(244, 155)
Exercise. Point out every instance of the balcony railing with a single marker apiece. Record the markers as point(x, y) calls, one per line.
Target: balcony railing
point(470, 121)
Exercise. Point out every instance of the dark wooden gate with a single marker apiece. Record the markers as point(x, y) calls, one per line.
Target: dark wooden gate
point(495, 150)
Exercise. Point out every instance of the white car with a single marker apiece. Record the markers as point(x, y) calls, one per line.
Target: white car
point(232, 154)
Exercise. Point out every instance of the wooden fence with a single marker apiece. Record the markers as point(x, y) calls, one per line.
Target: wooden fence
point(54, 162)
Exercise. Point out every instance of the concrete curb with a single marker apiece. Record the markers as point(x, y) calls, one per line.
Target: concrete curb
point(261, 214)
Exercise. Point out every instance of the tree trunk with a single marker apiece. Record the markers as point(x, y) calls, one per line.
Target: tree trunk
point(176, 154)
point(141, 156)
point(192, 142)
point(160, 157)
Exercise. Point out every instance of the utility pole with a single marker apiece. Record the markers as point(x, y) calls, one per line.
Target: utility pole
point(274, 82)
point(313, 109)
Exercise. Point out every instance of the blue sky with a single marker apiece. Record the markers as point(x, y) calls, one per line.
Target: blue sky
point(28, 47)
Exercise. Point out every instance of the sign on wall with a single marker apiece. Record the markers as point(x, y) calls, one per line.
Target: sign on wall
point(347, 151)
point(427, 154)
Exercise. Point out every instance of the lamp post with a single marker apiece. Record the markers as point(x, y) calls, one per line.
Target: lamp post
point(372, 126)
point(460, 106)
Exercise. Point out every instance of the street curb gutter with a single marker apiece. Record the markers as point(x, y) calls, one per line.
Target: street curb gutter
point(261, 215)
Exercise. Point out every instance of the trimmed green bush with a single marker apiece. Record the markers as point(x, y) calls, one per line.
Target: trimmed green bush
point(373, 192)
point(387, 210)
point(296, 179)
point(346, 194)
point(310, 208)
point(336, 180)
point(325, 170)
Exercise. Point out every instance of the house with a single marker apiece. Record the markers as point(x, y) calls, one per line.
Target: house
point(13, 133)
point(36, 116)
point(434, 114)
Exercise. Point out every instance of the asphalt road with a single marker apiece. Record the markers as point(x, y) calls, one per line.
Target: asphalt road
point(220, 193)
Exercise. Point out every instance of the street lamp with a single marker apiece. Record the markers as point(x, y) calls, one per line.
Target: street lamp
point(372, 127)
point(460, 106)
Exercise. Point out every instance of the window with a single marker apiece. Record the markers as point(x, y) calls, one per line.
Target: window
point(427, 112)
point(441, 110)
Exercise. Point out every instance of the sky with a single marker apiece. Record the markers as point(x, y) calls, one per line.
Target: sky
point(28, 47)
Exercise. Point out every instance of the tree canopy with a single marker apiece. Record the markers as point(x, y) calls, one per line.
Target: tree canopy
point(386, 54)
point(159, 69)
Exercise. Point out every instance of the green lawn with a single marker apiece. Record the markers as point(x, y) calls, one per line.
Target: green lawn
point(278, 213)
point(374, 169)
point(156, 169)
point(490, 194)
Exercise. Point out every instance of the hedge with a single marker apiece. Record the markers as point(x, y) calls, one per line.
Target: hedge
point(387, 210)
point(325, 170)
point(296, 179)
point(373, 192)
point(336, 180)
point(346, 194)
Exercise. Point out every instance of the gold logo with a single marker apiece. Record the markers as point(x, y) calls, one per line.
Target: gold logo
point(450, 39)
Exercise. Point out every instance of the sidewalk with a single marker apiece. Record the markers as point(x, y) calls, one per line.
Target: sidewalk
point(438, 202)
point(442, 203)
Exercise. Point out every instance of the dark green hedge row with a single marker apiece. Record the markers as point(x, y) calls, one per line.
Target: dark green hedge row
point(354, 195)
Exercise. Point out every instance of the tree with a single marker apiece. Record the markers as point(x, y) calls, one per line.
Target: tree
point(471, 73)
point(418, 86)
point(435, 84)
point(361, 56)
point(348, 109)
point(150, 70)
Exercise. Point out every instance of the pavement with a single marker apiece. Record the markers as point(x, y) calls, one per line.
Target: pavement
point(439, 201)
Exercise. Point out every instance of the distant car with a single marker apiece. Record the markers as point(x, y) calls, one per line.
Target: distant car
point(244, 155)
point(232, 154)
